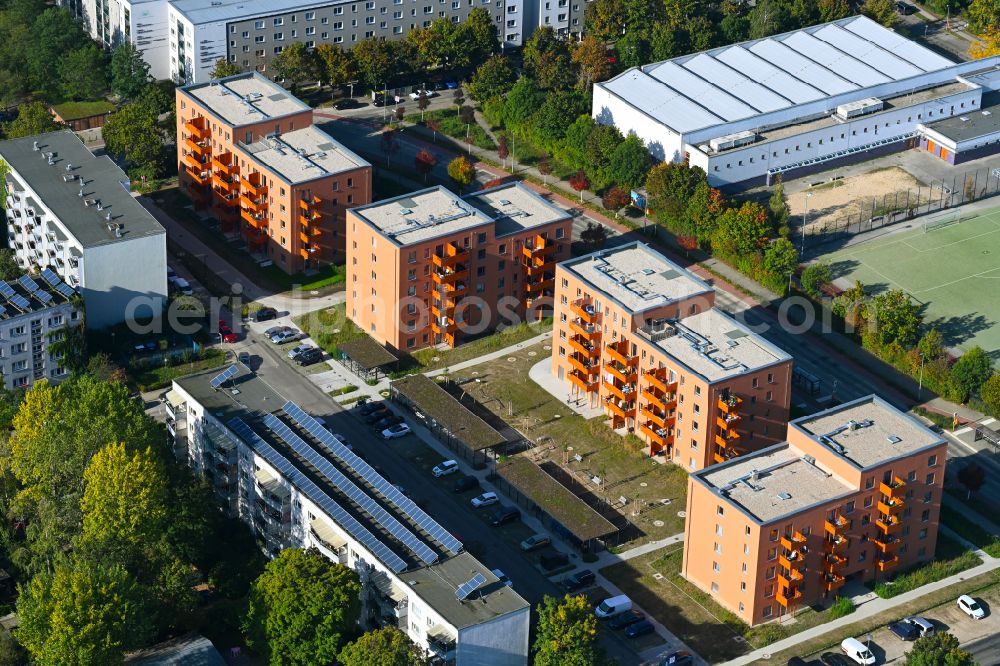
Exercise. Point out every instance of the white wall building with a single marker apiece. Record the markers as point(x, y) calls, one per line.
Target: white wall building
point(72, 212)
point(253, 447)
point(35, 313)
point(845, 90)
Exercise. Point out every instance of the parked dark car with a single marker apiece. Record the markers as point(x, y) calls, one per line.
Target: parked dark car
point(374, 417)
point(905, 8)
point(640, 628)
point(387, 422)
point(367, 408)
point(265, 314)
point(309, 357)
point(554, 560)
point(904, 631)
point(504, 515)
point(625, 619)
point(347, 103)
point(836, 659)
point(465, 484)
point(680, 658)
point(578, 580)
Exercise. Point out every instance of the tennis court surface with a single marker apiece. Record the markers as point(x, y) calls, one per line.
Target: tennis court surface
point(951, 265)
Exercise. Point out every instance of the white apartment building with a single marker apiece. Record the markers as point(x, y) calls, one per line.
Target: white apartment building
point(35, 314)
point(280, 470)
point(790, 104)
point(72, 212)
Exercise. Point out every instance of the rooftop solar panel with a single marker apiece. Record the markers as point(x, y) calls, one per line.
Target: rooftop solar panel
point(373, 478)
point(224, 376)
point(316, 495)
point(65, 290)
point(49, 276)
point(467, 588)
point(351, 490)
point(56, 283)
point(44, 296)
point(20, 302)
point(28, 283)
point(3, 311)
point(6, 290)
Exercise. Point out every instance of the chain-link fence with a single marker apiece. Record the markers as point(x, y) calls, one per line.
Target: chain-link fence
point(870, 213)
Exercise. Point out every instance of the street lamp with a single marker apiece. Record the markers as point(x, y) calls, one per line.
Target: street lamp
point(920, 383)
point(805, 220)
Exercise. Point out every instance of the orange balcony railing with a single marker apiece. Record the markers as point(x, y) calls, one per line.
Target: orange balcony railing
point(309, 203)
point(793, 577)
point(832, 581)
point(788, 596)
point(728, 404)
point(793, 542)
point(656, 434)
point(583, 364)
point(198, 147)
point(252, 188)
point(450, 275)
point(194, 162)
point(585, 348)
point(836, 526)
point(589, 332)
point(225, 165)
point(727, 441)
point(884, 564)
point(536, 288)
point(447, 326)
point(886, 544)
point(539, 247)
point(727, 421)
point(659, 418)
point(228, 200)
point(255, 205)
point(223, 183)
point(834, 562)
point(199, 176)
point(254, 219)
point(619, 392)
point(792, 560)
point(618, 352)
point(658, 379)
point(584, 382)
point(895, 489)
point(585, 310)
point(620, 410)
point(892, 507)
point(193, 128)
point(625, 375)
point(889, 524)
point(450, 255)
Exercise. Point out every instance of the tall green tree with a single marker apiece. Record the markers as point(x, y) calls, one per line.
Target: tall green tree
point(768, 17)
point(296, 64)
point(633, 49)
point(983, 14)
point(938, 649)
point(492, 79)
point(972, 370)
point(741, 232)
point(567, 633)
point(669, 187)
point(778, 206)
point(129, 72)
point(990, 393)
point(224, 68)
point(892, 316)
point(83, 74)
point(82, 614)
point(548, 124)
point(477, 36)
point(629, 163)
point(54, 35)
point(547, 60)
point(301, 607)
point(32, 118)
point(781, 257)
point(374, 59)
point(133, 132)
point(9, 268)
point(881, 11)
point(336, 65)
point(831, 10)
point(387, 646)
point(816, 276)
point(522, 102)
point(606, 19)
point(462, 172)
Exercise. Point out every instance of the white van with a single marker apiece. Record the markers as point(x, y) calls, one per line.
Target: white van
point(857, 651)
point(613, 606)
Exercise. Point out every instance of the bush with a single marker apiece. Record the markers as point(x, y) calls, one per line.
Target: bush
point(841, 606)
point(815, 277)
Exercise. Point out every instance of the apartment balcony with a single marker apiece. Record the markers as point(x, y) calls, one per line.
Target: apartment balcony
point(583, 381)
point(788, 596)
point(199, 176)
point(794, 542)
point(618, 352)
point(255, 205)
point(792, 560)
point(584, 365)
point(884, 564)
point(202, 147)
point(450, 275)
point(727, 421)
point(831, 582)
point(625, 375)
point(886, 544)
point(728, 441)
point(198, 133)
point(228, 170)
point(536, 289)
point(444, 326)
point(451, 255)
point(306, 219)
point(834, 562)
point(224, 184)
point(584, 348)
point(256, 220)
point(836, 544)
point(310, 203)
point(251, 188)
point(656, 434)
point(585, 310)
point(617, 391)
point(540, 247)
point(790, 579)
point(891, 507)
point(729, 404)
point(889, 524)
point(589, 332)
point(895, 489)
point(658, 400)
point(228, 200)
point(837, 526)
point(657, 379)
point(199, 164)
point(659, 418)
point(620, 410)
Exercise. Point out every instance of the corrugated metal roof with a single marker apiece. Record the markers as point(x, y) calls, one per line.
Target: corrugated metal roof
point(734, 82)
point(661, 101)
point(834, 59)
point(800, 67)
point(707, 93)
point(866, 51)
point(768, 75)
point(923, 58)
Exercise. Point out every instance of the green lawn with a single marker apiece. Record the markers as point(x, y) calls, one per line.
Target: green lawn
point(329, 328)
point(74, 110)
point(152, 378)
point(451, 125)
point(503, 387)
point(950, 558)
point(968, 529)
point(432, 358)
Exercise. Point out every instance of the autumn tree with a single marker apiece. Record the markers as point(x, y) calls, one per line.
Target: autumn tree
point(669, 188)
point(301, 607)
point(224, 68)
point(424, 163)
point(567, 633)
point(881, 11)
point(892, 316)
point(335, 65)
point(422, 103)
point(983, 15)
point(503, 151)
point(615, 199)
point(547, 59)
point(832, 10)
point(82, 614)
point(389, 143)
point(462, 172)
point(296, 64)
point(579, 182)
point(492, 79)
point(387, 646)
point(375, 60)
point(544, 167)
point(590, 56)
point(594, 236)
point(129, 72)
point(741, 232)
point(987, 45)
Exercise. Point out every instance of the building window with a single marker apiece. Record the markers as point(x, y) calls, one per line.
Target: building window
point(930, 479)
point(715, 567)
point(932, 461)
point(925, 515)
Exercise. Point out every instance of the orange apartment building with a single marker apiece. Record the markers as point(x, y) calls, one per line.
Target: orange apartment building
point(431, 267)
point(248, 151)
point(639, 336)
point(854, 494)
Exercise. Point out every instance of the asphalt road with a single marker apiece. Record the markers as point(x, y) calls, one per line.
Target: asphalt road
point(986, 651)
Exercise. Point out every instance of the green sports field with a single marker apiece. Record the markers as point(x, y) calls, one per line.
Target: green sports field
point(952, 267)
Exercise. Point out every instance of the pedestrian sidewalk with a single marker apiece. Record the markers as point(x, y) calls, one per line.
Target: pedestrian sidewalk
point(486, 358)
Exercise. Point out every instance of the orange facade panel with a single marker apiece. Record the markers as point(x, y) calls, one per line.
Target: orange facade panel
point(585, 310)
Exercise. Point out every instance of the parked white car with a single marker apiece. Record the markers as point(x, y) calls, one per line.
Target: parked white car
point(971, 607)
point(398, 430)
point(486, 499)
point(416, 95)
point(445, 468)
point(287, 335)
